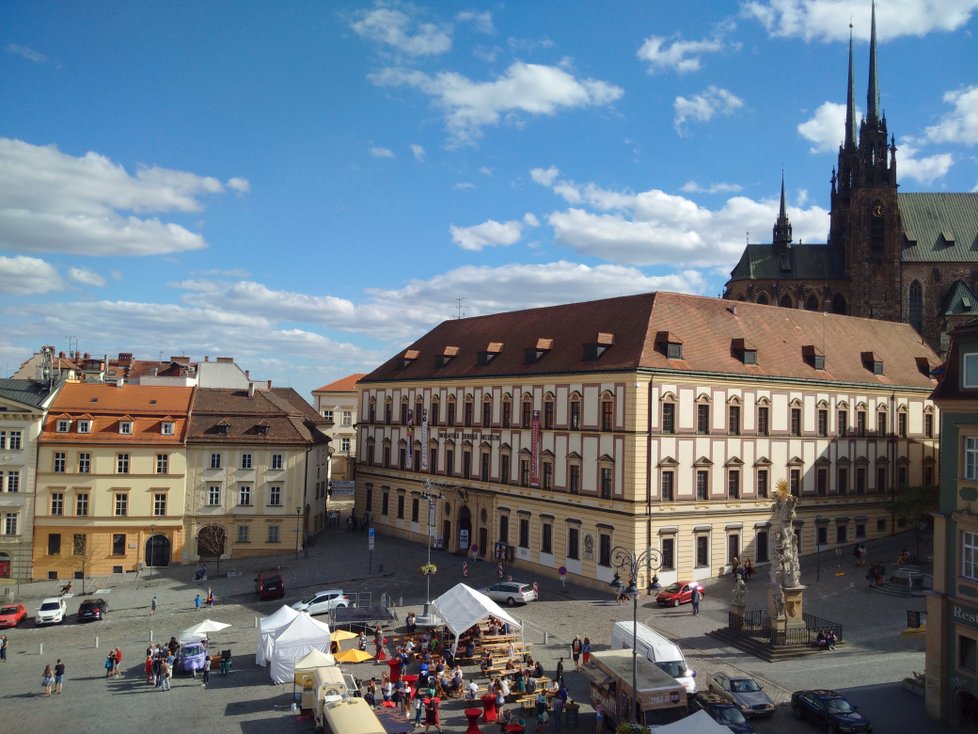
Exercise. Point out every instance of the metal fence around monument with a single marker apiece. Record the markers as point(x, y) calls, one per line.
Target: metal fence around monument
point(752, 625)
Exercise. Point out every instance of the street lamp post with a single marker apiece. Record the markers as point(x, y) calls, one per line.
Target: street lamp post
point(430, 497)
point(626, 560)
point(818, 549)
point(298, 514)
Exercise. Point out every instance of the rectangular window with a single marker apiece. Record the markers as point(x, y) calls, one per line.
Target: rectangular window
point(668, 554)
point(125, 428)
point(416, 459)
point(54, 544)
point(547, 538)
point(400, 507)
point(843, 483)
point(761, 546)
point(14, 440)
point(81, 504)
point(78, 543)
point(504, 469)
point(118, 544)
point(59, 461)
point(273, 534)
point(328, 415)
point(971, 458)
point(607, 415)
point(387, 457)
point(794, 479)
point(347, 418)
point(902, 425)
point(573, 538)
point(159, 504)
point(388, 413)
point(548, 414)
point(527, 413)
point(702, 551)
point(574, 479)
point(344, 447)
point(796, 421)
point(524, 472)
point(84, 462)
point(504, 529)
point(668, 417)
point(467, 464)
point(763, 421)
point(162, 463)
point(667, 488)
point(244, 494)
point(385, 501)
point(607, 483)
point(243, 534)
point(277, 458)
point(507, 414)
point(967, 654)
point(245, 461)
point(275, 496)
point(860, 480)
point(843, 421)
point(215, 461)
point(13, 481)
point(467, 411)
point(167, 428)
point(415, 509)
point(733, 420)
point(402, 457)
point(929, 425)
point(604, 550)
point(524, 540)
point(702, 484)
point(548, 475)
point(703, 418)
point(433, 460)
point(733, 484)
point(122, 464)
point(733, 547)
point(860, 422)
point(486, 414)
point(762, 483)
point(63, 426)
point(214, 495)
point(841, 534)
point(880, 478)
point(57, 503)
point(484, 467)
point(821, 535)
point(823, 422)
point(121, 504)
point(84, 426)
point(575, 414)
point(821, 481)
point(451, 415)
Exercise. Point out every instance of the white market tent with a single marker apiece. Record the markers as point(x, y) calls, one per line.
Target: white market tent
point(294, 642)
point(698, 723)
point(268, 628)
point(315, 659)
point(462, 606)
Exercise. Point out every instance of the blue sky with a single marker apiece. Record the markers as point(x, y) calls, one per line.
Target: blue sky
point(308, 187)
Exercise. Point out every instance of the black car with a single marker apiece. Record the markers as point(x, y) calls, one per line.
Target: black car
point(723, 712)
point(829, 709)
point(92, 609)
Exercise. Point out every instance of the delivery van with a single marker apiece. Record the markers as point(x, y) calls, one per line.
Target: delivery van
point(657, 649)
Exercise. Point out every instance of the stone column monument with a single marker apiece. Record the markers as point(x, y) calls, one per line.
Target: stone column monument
point(784, 600)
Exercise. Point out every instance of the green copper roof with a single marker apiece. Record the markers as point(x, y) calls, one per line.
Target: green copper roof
point(800, 262)
point(939, 227)
point(960, 301)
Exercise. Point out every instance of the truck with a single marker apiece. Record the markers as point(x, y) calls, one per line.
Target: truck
point(658, 698)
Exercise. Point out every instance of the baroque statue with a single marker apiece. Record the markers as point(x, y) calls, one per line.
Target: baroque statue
point(785, 571)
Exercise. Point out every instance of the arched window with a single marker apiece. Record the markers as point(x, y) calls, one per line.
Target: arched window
point(839, 304)
point(811, 303)
point(915, 306)
point(763, 299)
point(786, 302)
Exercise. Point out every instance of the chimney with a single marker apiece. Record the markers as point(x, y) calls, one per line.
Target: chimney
point(251, 389)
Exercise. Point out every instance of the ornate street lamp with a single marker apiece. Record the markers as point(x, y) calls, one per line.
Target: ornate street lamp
point(627, 561)
point(430, 497)
point(298, 515)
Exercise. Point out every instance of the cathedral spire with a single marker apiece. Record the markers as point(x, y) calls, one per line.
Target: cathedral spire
point(850, 101)
point(781, 237)
point(873, 95)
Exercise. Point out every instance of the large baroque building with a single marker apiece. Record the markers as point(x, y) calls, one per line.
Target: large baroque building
point(549, 436)
point(908, 257)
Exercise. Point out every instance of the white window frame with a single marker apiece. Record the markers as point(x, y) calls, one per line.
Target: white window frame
point(244, 495)
point(10, 523)
point(162, 463)
point(125, 428)
point(84, 426)
point(159, 502)
point(969, 373)
point(84, 463)
point(63, 426)
point(214, 495)
point(120, 502)
point(246, 461)
point(969, 555)
point(277, 461)
point(167, 428)
point(275, 493)
point(215, 461)
point(970, 462)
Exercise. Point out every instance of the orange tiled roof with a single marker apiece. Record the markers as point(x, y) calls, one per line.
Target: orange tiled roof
point(344, 384)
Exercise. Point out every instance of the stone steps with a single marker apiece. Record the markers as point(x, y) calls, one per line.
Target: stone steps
point(761, 648)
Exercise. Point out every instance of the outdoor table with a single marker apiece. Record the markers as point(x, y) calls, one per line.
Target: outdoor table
point(473, 716)
point(395, 666)
point(489, 708)
point(411, 678)
point(514, 729)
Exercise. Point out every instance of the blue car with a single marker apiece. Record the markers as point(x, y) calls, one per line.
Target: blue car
point(830, 709)
point(192, 656)
point(723, 712)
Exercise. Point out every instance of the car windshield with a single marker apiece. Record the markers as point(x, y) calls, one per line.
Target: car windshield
point(192, 650)
point(839, 706)
point(675, 668)
point(50, 606)
point(312, 599)
point(8, 610)
point(744, 686)
point(728, 715)
point(672, 588)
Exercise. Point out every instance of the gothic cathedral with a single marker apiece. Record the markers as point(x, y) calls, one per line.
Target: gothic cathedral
point(893, 256)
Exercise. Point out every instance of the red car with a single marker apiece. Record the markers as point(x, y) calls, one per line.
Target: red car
point(12, 614)
point(679, 593)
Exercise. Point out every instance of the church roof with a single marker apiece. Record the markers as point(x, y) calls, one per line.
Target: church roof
point(960, 301)
point(799, 262)
point(940, 227)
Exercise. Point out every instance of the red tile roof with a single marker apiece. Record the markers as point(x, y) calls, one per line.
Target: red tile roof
point(344, 384)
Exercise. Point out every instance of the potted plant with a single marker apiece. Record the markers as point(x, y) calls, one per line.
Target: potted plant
point(428, 569)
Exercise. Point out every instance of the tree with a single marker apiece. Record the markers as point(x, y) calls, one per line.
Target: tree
point(84, 549)
point(913, 507)
point(211, 541)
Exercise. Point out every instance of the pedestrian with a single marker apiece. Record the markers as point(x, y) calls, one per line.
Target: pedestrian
point(59, 676)
point(206, 677)
point(152, 605)
point(158, 671)
point(150, 678)
point(109, 663)
point(197, 603)
point(431, 714)
point(599, 719)
point(586, 650)
point(576, 652)
point(697, 595)
point(559, 677)
point(3, 648)
point(210, 597)
point(166, 668)
point(47, 680)
point(418, 708)
point(116, 662)
point(558, 705)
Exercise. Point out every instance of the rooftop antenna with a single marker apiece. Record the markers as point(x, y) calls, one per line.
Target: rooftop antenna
point(459, 313)
point(747, 236)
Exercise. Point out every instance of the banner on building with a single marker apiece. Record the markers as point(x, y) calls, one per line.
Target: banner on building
point(424, 439)
point(410, 436)
point(535, 449)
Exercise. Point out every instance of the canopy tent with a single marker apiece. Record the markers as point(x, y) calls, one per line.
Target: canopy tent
point(698, 723)
point(462, 606)
point(268, 628)
point(203, 628)
point(314, 659)
point(290, 644)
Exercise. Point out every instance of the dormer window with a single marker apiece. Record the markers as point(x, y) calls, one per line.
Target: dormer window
point(872, 362)
point(223, 427)
point(489, 353)
point(534, 354)
point(125, 428)
point(262, 429)
point(84, 426)
point(745, 350)
point(813, 356)
point(167, 428)
point(595, 349)
point(408, 358)
point(669, 344)
point(447, 355)
point(63, 426)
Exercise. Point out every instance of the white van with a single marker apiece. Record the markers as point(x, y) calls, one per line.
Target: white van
point(656, 648)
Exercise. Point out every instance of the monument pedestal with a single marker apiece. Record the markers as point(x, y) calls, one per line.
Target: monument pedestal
point(737, 612)
point(785, 612)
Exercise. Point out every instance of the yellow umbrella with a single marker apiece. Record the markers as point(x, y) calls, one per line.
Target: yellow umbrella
point(352, 656)
point(340, 635)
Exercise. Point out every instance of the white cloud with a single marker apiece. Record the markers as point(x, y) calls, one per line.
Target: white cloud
point(463, 186)
point(524, 89)
point(545, 176)
point(26, 53)
point(485, 170)
point(927, 169)
point(20, 276)
point(682, 56)
point(85, 276)
point(530, 220)
point(238, 184)
point(692, 187)
point(826, 129)
point(705, 106)
point(418, 152)
point(378, 152)
point(398, 31)
point(961, 124)
point(482, 22)
point(54, 202)
point(488, 234)
point(818, 20)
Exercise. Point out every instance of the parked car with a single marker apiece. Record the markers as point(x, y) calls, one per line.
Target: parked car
point(830, 709)
point(723, 712)
point(678, 593)
point(12, 614)
point(322, 602)
point(270, 584)
point(744, 692)
point(52, 611)
point(511, 592)
point(91, 610)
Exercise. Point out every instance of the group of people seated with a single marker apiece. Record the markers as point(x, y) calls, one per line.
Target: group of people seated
point(826, 639)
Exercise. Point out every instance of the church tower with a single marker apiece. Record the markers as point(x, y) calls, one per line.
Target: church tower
point(865, 222)
point(781, 235)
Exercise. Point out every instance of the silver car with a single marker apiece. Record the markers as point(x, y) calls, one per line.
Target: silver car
point(322, 602)
point(511, 593)
point(744, 693)
point(52, 611)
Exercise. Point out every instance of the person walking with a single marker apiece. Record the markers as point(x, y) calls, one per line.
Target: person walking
point(586, 651)
point(559, 677)
point(109, 663)
point(152, 605)
point(166, 669)
point(116, 662)
point(576, 652)
point(47, 680)
point(697, 595)
point(197, 603)
point(418, 708)
point(210, 597)
point(59, 676)
point(3, 648)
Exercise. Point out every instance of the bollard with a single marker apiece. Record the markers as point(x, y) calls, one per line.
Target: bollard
point(40, 648)
point(546, 637)
point(256, 622)
point(96, 642)
point(151, 635)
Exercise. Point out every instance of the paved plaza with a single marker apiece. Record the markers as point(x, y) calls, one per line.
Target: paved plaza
point(868, 668)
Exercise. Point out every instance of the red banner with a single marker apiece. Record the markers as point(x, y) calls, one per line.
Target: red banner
point(535, 449)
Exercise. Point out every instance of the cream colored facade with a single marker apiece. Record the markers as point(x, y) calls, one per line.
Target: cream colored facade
point(337, 403)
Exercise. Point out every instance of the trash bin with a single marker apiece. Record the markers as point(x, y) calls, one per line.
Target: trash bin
point(913, 619)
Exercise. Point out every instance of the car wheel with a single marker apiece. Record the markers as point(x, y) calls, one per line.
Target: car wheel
point(510, 602)
point(675, 602)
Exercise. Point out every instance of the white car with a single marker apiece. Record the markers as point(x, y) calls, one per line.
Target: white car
point(52, 611)
point(511, 593)
point(322, 602)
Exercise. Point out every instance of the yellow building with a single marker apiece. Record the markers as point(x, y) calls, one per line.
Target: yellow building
point(549, 436)
point(110, 480)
